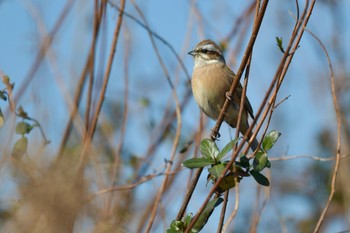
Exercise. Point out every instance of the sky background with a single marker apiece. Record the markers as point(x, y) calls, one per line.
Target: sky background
point(23, 24)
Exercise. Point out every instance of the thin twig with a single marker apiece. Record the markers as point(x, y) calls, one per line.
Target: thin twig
point(117, 154)
point(155, 35)
point(321, 159)
point(133, 185)
point(88, 137)
point(223, 212)
point(79, 89)
point(47, 41)
point(338, 115)
point(178, 128)
point(189, 194)
point(234, 212)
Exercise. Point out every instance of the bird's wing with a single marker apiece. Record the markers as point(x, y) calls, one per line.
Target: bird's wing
point(238, 92)
point(247, 104)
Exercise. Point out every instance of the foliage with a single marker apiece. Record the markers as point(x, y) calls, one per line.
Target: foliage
point(213, 157)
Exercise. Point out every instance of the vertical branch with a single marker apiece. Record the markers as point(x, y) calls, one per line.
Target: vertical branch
point(223, 212)
point(178, 128)
point(88, 137)
point(339, 124)
point(79, 89)
point(234, 212)
point(116, 171)
point(97, 21)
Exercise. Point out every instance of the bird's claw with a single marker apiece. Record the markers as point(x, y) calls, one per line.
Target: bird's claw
point(228, 96)
point(215, 135)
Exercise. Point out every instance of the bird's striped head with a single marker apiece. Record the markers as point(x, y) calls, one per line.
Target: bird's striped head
point(207, 52)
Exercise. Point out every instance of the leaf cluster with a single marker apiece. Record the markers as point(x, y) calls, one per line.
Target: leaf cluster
point(213, 157)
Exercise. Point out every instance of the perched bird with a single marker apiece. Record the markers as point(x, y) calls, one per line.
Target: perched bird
point(211, 80)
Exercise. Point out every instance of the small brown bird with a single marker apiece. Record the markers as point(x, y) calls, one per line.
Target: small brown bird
point(211, 80)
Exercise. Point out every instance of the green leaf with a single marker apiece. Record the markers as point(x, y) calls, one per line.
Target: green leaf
point(23, 128)
point(279, 41)
point(260, 161)
point(177, 225)
point(22, 113)
point(188, 219)
point(174, 231)
point(203, 218)
point(227, 182)
point(244, 161)
point(270, 140)
point(3, 95)
point(144, 102)
point(226, 149)
point(208, 148)
point(197, 162)
point(185, 147)
point(20, 148)
point(217, 170)
point(268, 164)
point(260, 178)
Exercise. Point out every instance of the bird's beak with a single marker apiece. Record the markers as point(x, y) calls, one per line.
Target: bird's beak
point(192, 53)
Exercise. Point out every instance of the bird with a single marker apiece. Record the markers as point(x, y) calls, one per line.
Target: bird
point(211, 81)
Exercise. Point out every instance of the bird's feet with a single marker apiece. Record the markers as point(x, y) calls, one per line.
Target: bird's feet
point(228, 96)
point(215, 135)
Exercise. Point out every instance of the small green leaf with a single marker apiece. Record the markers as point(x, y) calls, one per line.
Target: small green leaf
point(268, 164)
point(226, 149)
point(279, 41)
point(197, 162)
point(217, 170)
point(270, 140)
point(244, 161)
point(20, 148)
point(174, 231)
point(208, 148)
point(188, 219)
point(22, 113)
point(23, 128)
point(260, 178)
point(144, 102)
point(177, 225)
point(185, 147)
point(3, 95)
point(203, 218)
point(227, 182)
point(260, 161)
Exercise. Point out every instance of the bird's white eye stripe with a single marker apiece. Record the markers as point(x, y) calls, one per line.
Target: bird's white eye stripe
point(211, 47)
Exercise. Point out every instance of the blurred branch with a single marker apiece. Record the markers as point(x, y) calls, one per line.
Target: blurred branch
point(79, 89)
point(223, 211)
point(47, 41)
point(178, 117)
point(155, 35)
point(258, 211)
point(133, 185)
point(339, 125)
point(321, 159)
point(88, 136)
point(117, 153)
point(234, 212)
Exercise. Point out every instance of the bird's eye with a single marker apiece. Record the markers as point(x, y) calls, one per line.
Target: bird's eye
point(205, 51)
